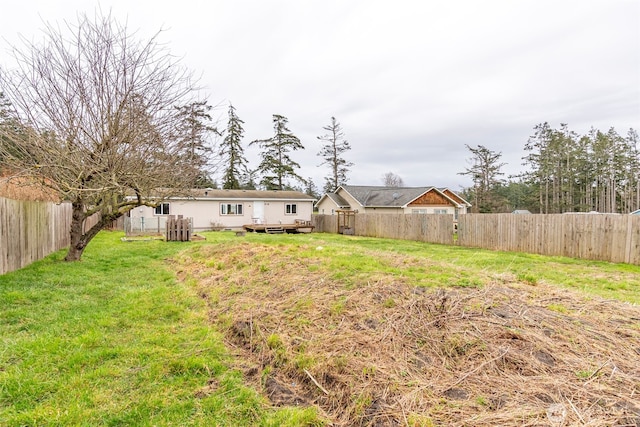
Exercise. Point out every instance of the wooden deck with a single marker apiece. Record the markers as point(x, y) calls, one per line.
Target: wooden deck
point(297, 227)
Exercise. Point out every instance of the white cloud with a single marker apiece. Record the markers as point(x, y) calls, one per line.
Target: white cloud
point(411, 82)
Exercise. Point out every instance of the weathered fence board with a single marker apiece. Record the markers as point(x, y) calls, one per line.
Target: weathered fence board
point(178, 229)
point(30, 231)
point(614, 238)
point(420, 227)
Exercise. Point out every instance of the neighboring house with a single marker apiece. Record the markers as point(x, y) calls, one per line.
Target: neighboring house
point(373, 199)
point(231, 209)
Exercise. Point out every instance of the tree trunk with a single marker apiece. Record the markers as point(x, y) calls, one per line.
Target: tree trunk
point(79, 238)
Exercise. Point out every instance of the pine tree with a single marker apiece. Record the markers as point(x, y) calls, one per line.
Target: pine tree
point(232, 153)
point(276, 164)
point(332, 155)
point(485, 170)
point(582, 173)
point(311, 189)
point(194, 132)
point(9, 125)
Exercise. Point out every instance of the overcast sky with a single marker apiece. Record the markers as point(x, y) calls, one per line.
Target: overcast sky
point(411, 82)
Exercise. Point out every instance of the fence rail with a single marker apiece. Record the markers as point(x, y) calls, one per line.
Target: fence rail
point(614, 238)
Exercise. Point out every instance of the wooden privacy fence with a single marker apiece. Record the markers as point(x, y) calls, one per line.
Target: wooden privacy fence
point(603, 237)
point(420, 227)
point(614, 238)
point(30, 231)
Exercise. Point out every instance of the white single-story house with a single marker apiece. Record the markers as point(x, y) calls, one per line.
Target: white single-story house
point(231, 209)
point(374, 199)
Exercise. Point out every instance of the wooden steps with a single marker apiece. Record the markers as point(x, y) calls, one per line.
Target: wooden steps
point(274, 230)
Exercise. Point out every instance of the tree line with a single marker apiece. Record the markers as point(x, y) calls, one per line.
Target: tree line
point(565, 172)
point(277, 169)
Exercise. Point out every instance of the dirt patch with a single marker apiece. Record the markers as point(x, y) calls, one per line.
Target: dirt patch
point(387, 353)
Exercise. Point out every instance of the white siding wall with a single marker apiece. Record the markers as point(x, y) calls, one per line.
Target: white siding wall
point(206, 213)
point(327, 207)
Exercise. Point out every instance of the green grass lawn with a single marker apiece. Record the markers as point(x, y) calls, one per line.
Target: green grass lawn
point(116, 340)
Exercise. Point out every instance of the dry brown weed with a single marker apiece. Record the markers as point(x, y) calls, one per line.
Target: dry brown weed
point(388, 353)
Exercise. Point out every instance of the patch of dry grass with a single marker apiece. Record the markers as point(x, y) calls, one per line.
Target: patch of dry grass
point(387, 352)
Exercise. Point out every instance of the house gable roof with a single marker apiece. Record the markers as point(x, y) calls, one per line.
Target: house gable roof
point(397, 197)
point(378, 196)
point(335, 198)
point(454, 196)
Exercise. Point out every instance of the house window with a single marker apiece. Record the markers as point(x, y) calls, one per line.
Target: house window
point(162, 209)
point(419, 211)
point(231, 209)
point(291, 209)
point(440, 211)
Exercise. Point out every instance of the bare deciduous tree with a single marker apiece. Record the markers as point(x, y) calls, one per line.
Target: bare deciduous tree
point(390, 179)
point(97, 108)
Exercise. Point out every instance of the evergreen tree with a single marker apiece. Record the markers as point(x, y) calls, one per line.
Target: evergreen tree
point(631, 195)
point(485, 170)
point(311, 189)
point(9, 125)
point(248, 181)
point(194, 131)
point(276, 164)
point(232, 153)
point(332, 155)
point(4, 121)
point(597, 171)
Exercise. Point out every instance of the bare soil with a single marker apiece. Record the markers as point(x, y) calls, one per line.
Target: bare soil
point(388, 353)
